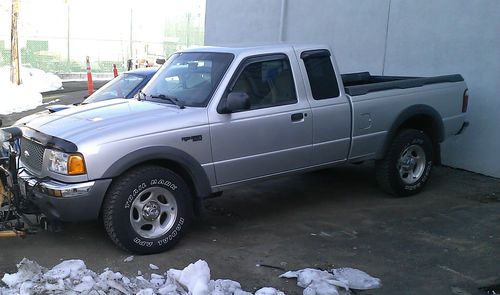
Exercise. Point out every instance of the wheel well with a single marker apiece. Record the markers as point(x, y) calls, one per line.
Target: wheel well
point(424, 123)
point(178, 169)
point(429, 126)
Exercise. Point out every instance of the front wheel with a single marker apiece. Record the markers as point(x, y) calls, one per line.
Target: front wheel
point(407, 165)
point(147, 210)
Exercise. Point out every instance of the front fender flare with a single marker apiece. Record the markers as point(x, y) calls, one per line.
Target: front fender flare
point(158, 153)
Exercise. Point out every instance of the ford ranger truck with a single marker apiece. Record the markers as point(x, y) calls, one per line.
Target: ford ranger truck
point(214, 118)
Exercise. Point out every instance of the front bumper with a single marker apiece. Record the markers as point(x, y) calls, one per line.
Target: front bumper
point(68, 202)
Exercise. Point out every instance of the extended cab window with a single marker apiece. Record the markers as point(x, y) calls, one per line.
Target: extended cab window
point(268, 82)
point(321, 74)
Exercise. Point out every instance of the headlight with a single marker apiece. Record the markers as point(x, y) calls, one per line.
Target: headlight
point(68, 164)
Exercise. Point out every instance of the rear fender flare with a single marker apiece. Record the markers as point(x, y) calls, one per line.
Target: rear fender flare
point(407, 114)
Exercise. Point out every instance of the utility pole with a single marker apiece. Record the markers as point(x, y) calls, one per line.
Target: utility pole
point(130, 35)
point(67, 38)
point(15, 77)
point(188, 29)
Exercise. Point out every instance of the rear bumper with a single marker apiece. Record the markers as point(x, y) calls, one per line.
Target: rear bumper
point(68, 202)
point(464, 126)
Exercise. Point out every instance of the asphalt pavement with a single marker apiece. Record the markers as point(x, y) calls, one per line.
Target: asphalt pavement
point(446, 240)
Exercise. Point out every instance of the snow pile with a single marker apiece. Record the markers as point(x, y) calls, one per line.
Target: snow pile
point(356, 279)
point(73, 277)
point(17, 98)
point(34, 79)
point(321, 282)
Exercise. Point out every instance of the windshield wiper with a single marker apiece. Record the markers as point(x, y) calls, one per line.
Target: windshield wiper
point(171, 99)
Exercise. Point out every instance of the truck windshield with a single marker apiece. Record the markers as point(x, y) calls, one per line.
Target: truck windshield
point(189, 77)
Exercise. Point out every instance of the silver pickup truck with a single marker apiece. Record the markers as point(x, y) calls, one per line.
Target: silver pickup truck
point(213, 118)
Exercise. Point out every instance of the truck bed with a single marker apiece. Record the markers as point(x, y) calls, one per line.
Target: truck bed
point(362, 83)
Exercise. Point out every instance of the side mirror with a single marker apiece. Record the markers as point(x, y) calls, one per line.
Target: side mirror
point(1, 123)
point(235, 101)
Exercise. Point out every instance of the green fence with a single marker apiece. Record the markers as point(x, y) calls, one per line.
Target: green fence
point(64, 50)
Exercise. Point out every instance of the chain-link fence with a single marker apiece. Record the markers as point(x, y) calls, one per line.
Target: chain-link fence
point(56, 36)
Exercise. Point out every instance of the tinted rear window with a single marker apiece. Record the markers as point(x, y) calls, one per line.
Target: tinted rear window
point(321, 76)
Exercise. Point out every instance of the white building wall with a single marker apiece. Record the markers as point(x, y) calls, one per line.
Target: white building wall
point(391, 37)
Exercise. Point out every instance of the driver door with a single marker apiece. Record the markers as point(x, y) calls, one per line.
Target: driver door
point(274, 135)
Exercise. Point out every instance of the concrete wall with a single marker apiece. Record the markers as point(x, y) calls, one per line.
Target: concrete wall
point(391, 37)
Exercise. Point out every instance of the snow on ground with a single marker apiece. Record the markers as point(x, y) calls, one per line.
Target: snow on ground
point(73, 277)
point(322, 282)
point(32, 78)
point(18, 98)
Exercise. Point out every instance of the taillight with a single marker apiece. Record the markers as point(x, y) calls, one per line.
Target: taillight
point(465, 101)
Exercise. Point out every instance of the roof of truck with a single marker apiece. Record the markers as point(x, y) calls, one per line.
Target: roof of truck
point(251, 47)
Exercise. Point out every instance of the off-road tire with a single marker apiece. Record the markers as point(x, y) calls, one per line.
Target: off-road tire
point(388, 172)
point(118, 206)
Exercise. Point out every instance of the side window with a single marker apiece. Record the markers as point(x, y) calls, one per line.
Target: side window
point(268, 83)
point(321, 74)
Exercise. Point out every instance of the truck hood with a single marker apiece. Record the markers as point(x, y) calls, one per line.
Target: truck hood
point(114, 119)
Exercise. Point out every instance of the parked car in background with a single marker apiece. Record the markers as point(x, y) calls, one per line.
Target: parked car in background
point(126, 85)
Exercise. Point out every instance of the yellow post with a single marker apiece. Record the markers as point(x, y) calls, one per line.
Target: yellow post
point(14, 46)
point(2, 193)
point(12, 234)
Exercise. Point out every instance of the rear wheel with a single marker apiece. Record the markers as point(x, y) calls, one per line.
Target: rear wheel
point(407, 165)
point(147, 210)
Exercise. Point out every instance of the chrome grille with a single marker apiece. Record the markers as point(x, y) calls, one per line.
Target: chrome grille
point(32, 154)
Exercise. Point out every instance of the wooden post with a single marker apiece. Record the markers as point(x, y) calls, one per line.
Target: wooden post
point(14, 46)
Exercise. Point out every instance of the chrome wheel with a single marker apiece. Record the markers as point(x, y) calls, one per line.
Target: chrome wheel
point(153, 212)
point(411, 164)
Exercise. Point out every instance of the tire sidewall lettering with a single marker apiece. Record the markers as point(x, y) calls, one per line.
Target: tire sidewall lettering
point(423, 178)
point(131, 197)
point(165, 183)
point(142, 243)
point(173, 234)
point(428, 165)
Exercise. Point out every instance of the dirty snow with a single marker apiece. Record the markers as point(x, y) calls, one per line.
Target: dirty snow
point(356, 279)
point(322, 282)
point(18, 98)
point(153, 267)
point(128, 259)
point(315, 281)
point(73, 277)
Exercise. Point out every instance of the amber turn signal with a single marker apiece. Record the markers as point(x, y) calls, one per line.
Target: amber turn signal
point(76, 165)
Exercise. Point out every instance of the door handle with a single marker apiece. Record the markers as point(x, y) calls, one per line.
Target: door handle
point(297, 117)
